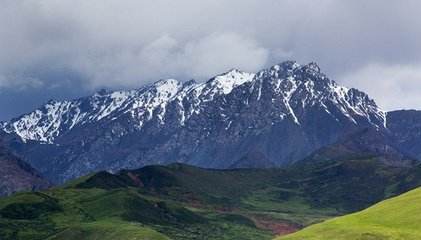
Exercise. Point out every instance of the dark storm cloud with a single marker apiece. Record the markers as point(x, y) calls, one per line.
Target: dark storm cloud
point(48, 45)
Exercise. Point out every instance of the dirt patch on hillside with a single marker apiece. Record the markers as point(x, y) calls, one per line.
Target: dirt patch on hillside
point(135, 179)
point(278, 228)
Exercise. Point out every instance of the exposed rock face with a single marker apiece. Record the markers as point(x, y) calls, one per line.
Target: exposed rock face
point(16, 175)
point(282, 113)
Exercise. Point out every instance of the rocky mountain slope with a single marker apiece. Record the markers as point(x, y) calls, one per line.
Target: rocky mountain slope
point(280, 114)
point(362, 144)
point(16, 175)
point(405, 125)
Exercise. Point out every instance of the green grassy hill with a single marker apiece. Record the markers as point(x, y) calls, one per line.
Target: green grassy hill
point(184, 202)
point(392, 219)
point(114, 214)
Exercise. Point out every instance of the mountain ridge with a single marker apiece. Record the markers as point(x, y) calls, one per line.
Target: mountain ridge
point(280, 114)
point(167, 89)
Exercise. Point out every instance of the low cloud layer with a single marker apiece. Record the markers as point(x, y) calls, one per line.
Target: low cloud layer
point(392, 86)
point(166, 57)
point(83, 45)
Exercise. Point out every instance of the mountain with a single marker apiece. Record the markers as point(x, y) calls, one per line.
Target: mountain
point(185, 202)
point(280, 114)
point(406, 128)
point(396, 218)
point(253, 160)
point(363, 144)
point(16, 175)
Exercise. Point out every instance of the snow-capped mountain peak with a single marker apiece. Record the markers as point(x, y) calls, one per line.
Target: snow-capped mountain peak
point(282, 113)
point(226, 82)
point(291, 88)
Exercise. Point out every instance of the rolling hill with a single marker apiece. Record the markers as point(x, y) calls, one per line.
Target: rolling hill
point(394, 219)
point(185, 202)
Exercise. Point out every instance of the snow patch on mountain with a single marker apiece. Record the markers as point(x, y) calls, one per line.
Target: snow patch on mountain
point(234, 78)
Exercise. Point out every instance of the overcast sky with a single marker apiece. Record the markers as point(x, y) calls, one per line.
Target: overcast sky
point(67, 49)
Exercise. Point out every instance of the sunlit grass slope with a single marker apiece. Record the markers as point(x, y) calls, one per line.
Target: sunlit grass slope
point(392, 219)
